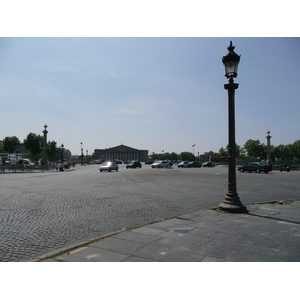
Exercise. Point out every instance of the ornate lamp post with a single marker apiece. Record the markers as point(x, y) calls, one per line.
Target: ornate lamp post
point(232, 201)
point(269, 159)
point(62, 149)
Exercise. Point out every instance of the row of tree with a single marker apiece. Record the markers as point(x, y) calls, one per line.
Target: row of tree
point(33, 143)
point(252, 150)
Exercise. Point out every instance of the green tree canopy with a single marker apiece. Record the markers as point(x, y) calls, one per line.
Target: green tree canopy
point(223, 152)
point(255, 149)
point(10, 143)
point(187, 156)
point(53, 151)
point(33, 143)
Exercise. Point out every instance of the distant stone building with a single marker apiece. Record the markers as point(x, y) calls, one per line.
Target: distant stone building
point(122, 152)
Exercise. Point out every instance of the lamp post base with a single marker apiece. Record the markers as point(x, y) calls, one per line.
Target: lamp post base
point(233, 204)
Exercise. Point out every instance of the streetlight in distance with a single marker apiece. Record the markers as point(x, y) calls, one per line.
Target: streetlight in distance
point(81, 154)
point(62, 149)
point(232, 201)
point(193, 149)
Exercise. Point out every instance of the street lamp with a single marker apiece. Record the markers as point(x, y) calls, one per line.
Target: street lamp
point(232, 201)
point(193, 149)
point(62, 153)
point(81, 154)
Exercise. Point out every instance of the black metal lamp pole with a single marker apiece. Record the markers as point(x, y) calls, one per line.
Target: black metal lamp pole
point(81, 154)
point(232, 201)
point(62, 153)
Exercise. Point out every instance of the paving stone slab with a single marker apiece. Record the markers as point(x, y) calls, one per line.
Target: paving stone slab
point(290, 235)
point(214, 259)
point(291, 246)
point(178, 255)
point(257, 240)
point(213, 251)
point(137, 237)
point(179, 229)
point(117, 245)
point(205, 232)
point(225, 235)
point(238, 256)
point(151, 250)
point(92, 254)
point(195, 244)
point(188, 216)
point(170, 223)
point(229, 225)
point(278, 253)
point(138, 259)
point(232, 245)
point(149, 230)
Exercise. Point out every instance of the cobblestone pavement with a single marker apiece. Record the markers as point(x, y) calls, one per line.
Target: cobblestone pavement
point(268, 233)
point(44, 212)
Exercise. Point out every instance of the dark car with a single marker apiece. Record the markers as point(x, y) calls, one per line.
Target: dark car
point(194, 164)
point(256, 167)
point(134, 164)
point(149, 162)
point(209, 164)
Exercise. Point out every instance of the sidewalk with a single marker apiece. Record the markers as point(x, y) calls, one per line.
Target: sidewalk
point(268, 233)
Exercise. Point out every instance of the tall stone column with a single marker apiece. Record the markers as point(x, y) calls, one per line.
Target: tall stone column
point(44, 148)
point(269, 159)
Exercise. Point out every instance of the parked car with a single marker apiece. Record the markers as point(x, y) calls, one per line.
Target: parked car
point(149, 162)
point(255, 166)
point(119, 162)
point(209, 164)
point(134, 164)
point(161, 164)
point(24, 161)
point(109, 166)
point(183, 164)
point(194, 164)
point(95, 162)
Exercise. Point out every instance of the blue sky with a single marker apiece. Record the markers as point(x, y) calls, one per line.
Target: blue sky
point(148, 76)
point(148, 93)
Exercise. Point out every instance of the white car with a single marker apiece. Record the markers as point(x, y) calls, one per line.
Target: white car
point(161, 164)
point(183, 164)
point(108, 166)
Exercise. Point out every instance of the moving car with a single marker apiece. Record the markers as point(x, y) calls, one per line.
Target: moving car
point(183, 164)
point(109, 166)
point(255, 166)
point(209, 164)
point(161, 164)
point(194, 164)
point(134, 164)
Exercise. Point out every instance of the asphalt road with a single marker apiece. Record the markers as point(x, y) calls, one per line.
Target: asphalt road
point(41, 213)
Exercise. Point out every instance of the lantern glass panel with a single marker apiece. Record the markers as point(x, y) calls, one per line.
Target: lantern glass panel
point(231, 68)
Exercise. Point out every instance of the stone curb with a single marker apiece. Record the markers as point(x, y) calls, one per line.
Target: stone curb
point(65, 250)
